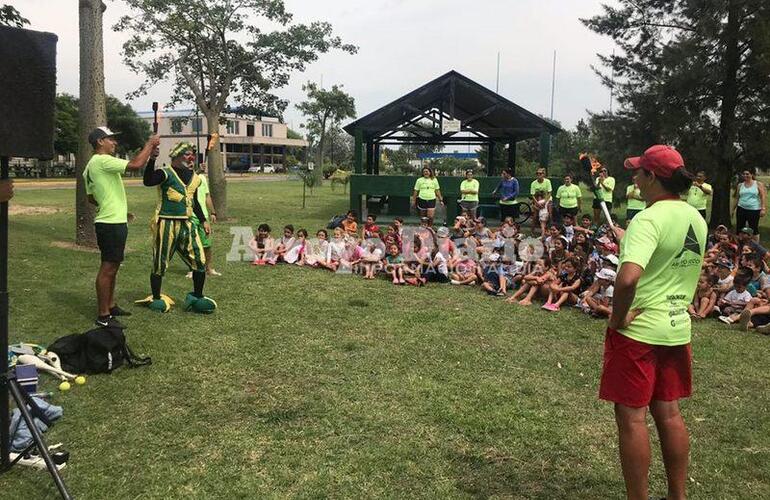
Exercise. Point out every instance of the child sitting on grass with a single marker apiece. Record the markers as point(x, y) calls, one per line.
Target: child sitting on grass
point(261, 245)
point(296, 254)
point(370, 258)
point(564, 289)
point(586, 226)
point(466, 272)
point(349, 224)
point(705, 297)
point(335, 250)
point(283, 245)
point(597, 300)
point(733, 303)
point(371, 229)
point(532, 283)
point(394, 265)
point(315, 251)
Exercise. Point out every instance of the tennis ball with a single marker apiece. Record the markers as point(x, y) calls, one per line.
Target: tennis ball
point(80, 380)
point(64, 386)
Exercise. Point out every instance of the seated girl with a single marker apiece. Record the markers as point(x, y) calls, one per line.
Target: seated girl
point(335, 250)
point(597, 300)
point(261, 245)
point(371, 258)
point(394, 264)
point(466, 272)
point(705, 297)
point(283, 245)
point(315, 251)
point(296, 253)
point(565, 288)
point(538, 280)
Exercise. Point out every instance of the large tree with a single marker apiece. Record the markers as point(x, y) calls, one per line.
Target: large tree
point(9, 16)
point(325, 109)
point(92, 111)
point(692, 74)
point(214, 51)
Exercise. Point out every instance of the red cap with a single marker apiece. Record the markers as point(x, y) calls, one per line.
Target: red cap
point(659, 159)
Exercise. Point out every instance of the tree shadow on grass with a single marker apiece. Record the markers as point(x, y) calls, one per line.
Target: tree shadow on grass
point(491, 474)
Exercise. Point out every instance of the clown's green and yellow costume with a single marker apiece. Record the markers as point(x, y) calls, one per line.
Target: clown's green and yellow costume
point(176, 229)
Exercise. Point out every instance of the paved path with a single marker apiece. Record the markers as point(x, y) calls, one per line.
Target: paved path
point(25, 184)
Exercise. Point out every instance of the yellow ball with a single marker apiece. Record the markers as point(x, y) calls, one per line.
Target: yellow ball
point(64, 386)
point(80, 380)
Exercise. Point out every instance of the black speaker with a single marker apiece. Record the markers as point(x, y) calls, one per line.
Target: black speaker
point(27, 92)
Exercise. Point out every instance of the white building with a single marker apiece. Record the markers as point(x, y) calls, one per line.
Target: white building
point(245, 142)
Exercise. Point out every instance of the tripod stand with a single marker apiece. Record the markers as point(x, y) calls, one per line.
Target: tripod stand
point(8, 382)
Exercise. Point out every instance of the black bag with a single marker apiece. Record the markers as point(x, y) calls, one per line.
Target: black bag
point(335, 221)
point(100, 350)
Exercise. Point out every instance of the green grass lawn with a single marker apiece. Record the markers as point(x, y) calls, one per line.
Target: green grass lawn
point(310, 384)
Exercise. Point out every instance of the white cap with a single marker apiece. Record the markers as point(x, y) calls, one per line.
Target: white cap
point(606, 274)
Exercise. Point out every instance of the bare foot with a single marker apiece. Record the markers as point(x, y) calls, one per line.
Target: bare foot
point(525, 302)
point(512, 300)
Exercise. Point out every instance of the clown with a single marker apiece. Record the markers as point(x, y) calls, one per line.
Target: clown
point(175, 228)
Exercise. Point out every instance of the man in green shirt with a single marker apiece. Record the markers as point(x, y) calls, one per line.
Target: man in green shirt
point(647, 354)
point(469, 193)
point(699, 193)
point(605, 185)
point(104, 187)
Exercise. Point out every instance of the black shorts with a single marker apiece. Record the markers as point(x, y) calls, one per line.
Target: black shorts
point(571, 211)
point(426, 204)
point(597, 204)
point(703, 214)
point(631, 213)
point(111, 239)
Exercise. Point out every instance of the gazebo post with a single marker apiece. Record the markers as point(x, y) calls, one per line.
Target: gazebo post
point(376, 158)
point(358, 153)
point(490, 157)
point(369, 158)
point(512, 155)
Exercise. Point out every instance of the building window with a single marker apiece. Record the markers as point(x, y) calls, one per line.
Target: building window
point(250, 130)
point(197, 124)
point(233, 127)
point(176, 125)
point(267, 130)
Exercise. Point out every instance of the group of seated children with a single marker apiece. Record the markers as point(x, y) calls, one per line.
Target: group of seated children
point(734, 285)
point(569, 265)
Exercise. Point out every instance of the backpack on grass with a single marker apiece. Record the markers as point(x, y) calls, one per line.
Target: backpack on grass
point(100, 350)
point(335, 222)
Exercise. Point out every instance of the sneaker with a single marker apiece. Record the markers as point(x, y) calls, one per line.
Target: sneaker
point(744, 321)
point(726, 319)
point(108, 322)
point(118, 311)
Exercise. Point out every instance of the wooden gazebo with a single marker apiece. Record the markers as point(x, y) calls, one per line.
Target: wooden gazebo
point(450, 110)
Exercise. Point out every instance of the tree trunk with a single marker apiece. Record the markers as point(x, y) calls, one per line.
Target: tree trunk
point(92, 111)
point(216, 172)
point(725, 150)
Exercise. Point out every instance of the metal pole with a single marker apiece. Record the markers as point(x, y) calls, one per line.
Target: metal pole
point(497, 84)
point(612, 81)
point(4, 408)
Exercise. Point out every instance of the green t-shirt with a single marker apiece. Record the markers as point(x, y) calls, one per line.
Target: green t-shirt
point(667, 239)
point(470, 185)
point(203, 191)
point(605, 195)
point(568, 195)
point(103, 181)
point(698, 198)
point(426, 188)
point(634, 203)
point(544, 186)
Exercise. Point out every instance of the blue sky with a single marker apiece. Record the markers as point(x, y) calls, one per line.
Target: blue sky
point(402, 45)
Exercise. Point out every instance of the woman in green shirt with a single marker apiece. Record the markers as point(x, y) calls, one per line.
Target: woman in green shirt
point(569, 196)
point(634, 201)
point(469, 193)
point(426, 192)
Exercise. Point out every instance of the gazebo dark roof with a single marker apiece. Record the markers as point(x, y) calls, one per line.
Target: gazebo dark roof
point(484, 114)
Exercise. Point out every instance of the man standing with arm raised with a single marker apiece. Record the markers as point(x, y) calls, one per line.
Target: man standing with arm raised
point(104, 186)
point(647, 353)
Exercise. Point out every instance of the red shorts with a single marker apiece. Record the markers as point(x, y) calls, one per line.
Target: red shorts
point(635, 373)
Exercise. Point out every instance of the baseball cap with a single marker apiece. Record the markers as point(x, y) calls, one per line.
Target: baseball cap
point(443, 231)
point(100, 133)
point(747, 230)
point(606, 274)
point(725, 263)
point(612, 259)
point(659, 159)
